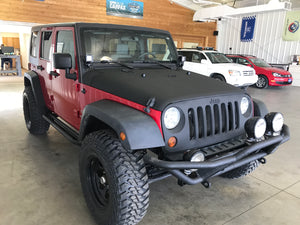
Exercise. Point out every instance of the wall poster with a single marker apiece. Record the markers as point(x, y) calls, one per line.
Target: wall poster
point(125, 8)
point(247, 30)
point(291, 30)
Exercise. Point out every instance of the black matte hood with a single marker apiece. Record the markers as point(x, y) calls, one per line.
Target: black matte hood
point(166, 85)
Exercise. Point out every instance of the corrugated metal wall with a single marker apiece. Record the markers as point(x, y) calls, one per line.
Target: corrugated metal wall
point(267, 41)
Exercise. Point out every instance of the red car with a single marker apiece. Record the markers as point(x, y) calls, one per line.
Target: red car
point(267, 75)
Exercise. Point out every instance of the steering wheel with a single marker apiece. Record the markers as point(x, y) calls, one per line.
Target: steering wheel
point(147, 53)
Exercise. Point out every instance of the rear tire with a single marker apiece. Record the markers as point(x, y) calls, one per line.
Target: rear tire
point(114, 181)
point(262, 82)
point(33, 118)
point(241, 171)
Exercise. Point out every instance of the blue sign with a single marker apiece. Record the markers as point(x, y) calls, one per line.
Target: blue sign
point(125, 8)
point(247, 31)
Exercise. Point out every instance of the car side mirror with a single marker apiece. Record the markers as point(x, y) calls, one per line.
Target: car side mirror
point(181, 59)
point(64, 61)
point(249, 65)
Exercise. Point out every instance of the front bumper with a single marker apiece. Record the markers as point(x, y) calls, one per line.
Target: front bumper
point(222, 163)
point(241, 81)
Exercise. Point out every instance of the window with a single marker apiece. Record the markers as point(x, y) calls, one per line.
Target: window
point(188, 55)
point(33, 44)
point(46, 45)
point(65, 44)
point(242, 61)
point(197, 57)
point(127, 46)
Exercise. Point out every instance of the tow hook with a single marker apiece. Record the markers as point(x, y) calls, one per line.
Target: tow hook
point(262, 160)
point(206, 184)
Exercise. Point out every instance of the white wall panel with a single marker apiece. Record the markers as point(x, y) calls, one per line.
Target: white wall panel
point(267, 40)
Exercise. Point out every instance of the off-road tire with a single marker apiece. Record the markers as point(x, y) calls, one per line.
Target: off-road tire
point(33, 118)
point(241, 171)
point(114, 181)
point(262, 82)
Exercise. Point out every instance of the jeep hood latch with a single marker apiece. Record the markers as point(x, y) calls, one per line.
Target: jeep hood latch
point(150, 104)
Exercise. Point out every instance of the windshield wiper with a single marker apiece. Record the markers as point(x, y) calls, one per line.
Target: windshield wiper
point(119, 63)
point(155, 62)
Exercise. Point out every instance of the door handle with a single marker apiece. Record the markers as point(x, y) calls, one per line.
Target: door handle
point(54, 73)
point(40, 67)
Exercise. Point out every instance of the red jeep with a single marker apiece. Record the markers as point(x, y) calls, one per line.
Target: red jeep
point(267, 75)
point(120, 93)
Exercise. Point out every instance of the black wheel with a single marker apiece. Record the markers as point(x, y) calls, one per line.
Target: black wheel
point(114, 181)
point(219, 78)
point(262, 82)
point(241, 171)
point(33, 118)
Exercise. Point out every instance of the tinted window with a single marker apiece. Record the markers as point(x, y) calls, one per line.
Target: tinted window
point(65, 44)
point(34, 44)
point(188, 55)
point(46, 44)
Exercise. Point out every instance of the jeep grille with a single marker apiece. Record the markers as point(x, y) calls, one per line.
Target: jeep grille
point(209, 120)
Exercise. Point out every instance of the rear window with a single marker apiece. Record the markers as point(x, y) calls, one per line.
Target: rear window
point(46, 44)
point(34, 44)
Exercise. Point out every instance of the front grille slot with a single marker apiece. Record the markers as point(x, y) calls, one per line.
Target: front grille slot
point(214, 119)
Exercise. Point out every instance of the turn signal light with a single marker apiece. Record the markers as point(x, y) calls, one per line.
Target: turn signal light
point(122, 136)
point(172, 142)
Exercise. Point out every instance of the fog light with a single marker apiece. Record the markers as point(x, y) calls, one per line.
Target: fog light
point(255, 127)
point(274, 122)
point(194, 157)
point(172, 142)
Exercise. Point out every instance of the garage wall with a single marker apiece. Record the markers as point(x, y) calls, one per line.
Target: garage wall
point(157, 14)
point(267, 41)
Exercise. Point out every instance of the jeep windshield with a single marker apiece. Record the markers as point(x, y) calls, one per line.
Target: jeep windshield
point(259, 62)
point(107, 45)
point(217, 57)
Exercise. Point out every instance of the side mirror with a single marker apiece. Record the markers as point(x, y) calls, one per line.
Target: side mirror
point(64, 61)
point(181, 59)
point(249, 65)
point(204, 61)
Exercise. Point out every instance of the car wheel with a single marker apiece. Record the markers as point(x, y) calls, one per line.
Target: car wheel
point(33, 118)
point(262, 82)
point(219, 77)
point(241, 171)
point(114, 181)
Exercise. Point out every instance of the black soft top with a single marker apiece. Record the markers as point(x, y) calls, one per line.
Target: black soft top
point(98, 25)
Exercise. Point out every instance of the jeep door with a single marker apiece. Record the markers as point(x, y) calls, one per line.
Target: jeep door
point(44, 65)
point(65, 91)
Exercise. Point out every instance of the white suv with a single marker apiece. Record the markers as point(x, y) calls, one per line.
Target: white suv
point(216, 65)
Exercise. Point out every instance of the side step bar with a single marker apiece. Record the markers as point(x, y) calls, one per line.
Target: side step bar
point(65, 130)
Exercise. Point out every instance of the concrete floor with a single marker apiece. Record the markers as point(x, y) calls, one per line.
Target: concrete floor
point(39, 182)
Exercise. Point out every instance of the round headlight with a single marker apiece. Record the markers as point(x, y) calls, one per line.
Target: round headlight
point(171, 118)
point(274, 121)
point(244, 105)
point(255, 127)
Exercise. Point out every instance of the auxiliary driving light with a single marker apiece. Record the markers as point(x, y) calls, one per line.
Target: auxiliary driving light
point(193, 156)
point(274, 122)
point(255, 127)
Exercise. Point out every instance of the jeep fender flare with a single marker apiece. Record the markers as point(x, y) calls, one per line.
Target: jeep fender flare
point(31, 78)
point(140, 129)
point(260, 109)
